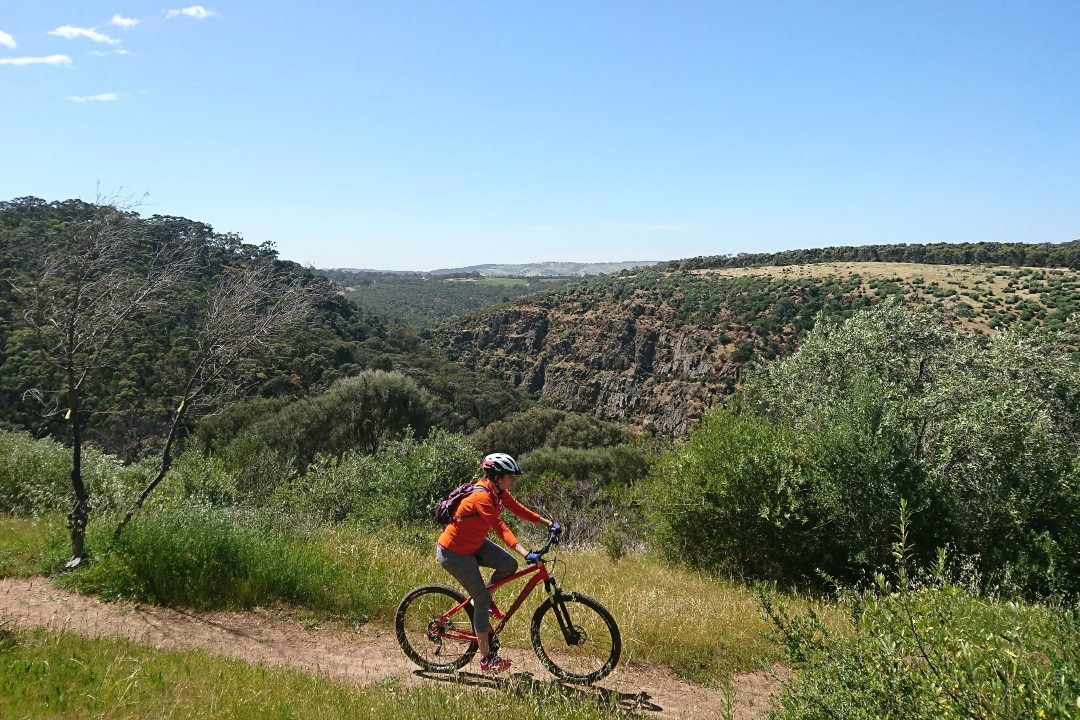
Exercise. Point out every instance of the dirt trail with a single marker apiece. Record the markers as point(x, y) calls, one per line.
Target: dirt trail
point(368, 655)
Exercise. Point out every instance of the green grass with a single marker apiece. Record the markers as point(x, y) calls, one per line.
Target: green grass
point(33, 546)
point(705, 629)
point(56, 675)
point(938, 651)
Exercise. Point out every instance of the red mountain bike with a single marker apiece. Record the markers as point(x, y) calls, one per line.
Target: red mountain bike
point(574, 636)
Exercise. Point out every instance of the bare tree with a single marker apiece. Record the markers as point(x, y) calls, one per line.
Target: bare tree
point(250, 310)
point(88, 281)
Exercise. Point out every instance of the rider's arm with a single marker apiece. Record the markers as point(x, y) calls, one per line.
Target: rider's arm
point(523, 512)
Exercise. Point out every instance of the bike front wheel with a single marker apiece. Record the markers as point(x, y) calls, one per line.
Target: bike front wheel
point(576, 638)
point(426, 637)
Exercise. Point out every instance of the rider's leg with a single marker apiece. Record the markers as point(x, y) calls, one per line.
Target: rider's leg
point(466, 570)
point(492, 556)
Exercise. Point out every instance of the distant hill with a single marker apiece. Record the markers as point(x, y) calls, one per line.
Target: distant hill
point(423, 300)
point(547, 269)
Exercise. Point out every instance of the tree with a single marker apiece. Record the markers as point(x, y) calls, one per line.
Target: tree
point(251, 309)
point(88, 280)
point(354, 414)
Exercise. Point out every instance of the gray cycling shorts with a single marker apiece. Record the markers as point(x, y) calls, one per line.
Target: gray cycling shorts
point(466, 570)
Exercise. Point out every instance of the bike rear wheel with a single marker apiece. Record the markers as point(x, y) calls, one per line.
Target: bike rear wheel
point(576, 638)
point(422, 635)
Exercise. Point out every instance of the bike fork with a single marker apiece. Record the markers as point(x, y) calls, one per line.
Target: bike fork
point(571, 634)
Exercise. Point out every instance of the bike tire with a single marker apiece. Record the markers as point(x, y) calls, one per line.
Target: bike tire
point(413, 625)
point(595, 651)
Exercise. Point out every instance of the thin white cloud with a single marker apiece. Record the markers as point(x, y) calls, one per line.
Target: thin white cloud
point(103, 97)
point(121, 21)
point(195, 11)
point(103, 53)
point(7, 41)
point(71, 32)
point(48, 60)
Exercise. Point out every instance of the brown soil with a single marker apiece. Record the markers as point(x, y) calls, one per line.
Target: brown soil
point(366, 655)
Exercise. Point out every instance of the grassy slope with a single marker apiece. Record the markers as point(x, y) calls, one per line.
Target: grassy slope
point(706, 629)
point(985, 296)
point(57, 675)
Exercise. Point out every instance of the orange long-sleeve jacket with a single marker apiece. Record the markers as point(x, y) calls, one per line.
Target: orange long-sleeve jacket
point(477, 514)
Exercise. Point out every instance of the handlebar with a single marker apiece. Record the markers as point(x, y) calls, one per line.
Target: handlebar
point(553, 540)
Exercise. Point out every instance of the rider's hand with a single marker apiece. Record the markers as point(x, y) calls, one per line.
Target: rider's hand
point(533, 558)
point(555, 528)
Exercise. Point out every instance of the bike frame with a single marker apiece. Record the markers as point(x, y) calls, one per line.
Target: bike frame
point(540, 575)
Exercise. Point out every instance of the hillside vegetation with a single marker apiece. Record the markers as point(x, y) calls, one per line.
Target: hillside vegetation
point(131, 397)
point(423, 300)
point(901, 435)
point(657, 348)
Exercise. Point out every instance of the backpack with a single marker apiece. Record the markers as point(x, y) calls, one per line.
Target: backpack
point(445, 509)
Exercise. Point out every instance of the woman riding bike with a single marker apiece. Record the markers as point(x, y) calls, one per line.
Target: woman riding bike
point(463, 546)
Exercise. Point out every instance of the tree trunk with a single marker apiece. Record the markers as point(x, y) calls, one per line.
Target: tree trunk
point(80, 511)
point(163, 469)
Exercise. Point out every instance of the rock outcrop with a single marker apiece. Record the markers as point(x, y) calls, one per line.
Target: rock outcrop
point(625, 361)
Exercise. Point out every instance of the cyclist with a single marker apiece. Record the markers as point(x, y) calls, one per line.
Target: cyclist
point(463, 546)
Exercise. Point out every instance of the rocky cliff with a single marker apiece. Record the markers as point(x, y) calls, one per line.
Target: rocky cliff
point(624, 360)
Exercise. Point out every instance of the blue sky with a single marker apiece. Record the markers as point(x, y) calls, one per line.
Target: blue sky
point(419, 135)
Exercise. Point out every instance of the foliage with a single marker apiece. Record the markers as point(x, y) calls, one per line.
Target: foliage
point(1065, 254)
point(423, 300)
point(34, 476)
point(399, 483)
point(205, 557)
point(539, 426)
point(357, 413)
point(138, 383)
point(918, 647)
point(979, 436)
point(590, 491)
point(731, 498)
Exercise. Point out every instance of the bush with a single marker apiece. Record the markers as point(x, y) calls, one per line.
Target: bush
point(922, 647)
point(588, 491)
point(979, 436)
point(358, 413)
point(35, 477)
point(400, 483)
point(539, 427)
point(731, 498)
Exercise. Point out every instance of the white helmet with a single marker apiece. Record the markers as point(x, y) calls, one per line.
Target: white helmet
point(498, 463)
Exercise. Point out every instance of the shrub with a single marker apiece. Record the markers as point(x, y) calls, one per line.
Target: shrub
point(979, 436)
point(358, 413)
point(400, 483)
point(539, 427)
point(589, 491)
point(922, 646)
point(35, 476)
point(731, 498)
